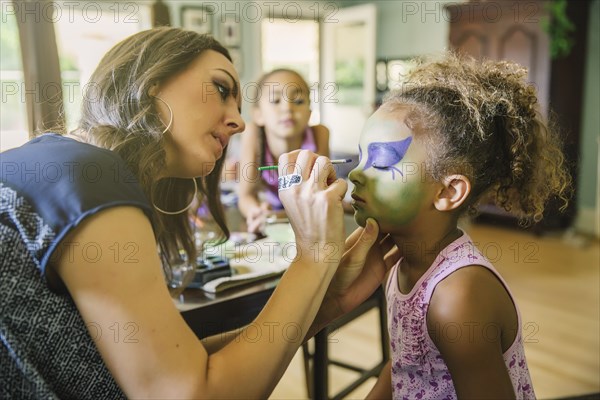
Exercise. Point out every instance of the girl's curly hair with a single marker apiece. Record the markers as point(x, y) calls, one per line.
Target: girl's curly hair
point(481, 119)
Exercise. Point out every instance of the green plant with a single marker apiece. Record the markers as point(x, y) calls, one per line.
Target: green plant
point(559, 27)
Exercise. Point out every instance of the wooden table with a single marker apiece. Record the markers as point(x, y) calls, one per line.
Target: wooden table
point(209, 314)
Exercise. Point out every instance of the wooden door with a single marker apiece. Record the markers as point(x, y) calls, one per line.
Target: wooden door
point(505, 30)
point(512, 30)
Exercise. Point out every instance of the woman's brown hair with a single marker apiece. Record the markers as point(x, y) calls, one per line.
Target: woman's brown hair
point(119, 114)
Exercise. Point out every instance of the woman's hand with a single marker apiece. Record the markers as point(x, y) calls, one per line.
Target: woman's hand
point(364, 266)
point(312, 197)
point(366, 261)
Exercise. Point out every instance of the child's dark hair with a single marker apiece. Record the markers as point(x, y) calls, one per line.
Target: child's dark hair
point(481, 120)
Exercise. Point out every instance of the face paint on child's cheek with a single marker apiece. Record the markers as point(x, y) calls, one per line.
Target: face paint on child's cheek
point(398, 203)
point(391, 204)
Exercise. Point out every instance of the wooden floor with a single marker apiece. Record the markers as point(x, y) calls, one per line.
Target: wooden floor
point(556, 282)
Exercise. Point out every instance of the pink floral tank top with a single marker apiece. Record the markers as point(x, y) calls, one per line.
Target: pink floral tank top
point(418, 369)
point(270, 176)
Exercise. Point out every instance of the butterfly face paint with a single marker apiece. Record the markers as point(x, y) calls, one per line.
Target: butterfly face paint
point(385, 155)
point(387, 182)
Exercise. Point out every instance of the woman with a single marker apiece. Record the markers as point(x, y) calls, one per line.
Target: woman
point(85, 311)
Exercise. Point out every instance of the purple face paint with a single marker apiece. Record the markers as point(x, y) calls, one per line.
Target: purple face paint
point(384, 155)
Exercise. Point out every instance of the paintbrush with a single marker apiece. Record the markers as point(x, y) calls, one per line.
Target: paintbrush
point(334, 162)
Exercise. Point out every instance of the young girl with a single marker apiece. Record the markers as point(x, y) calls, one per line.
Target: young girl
point(458, 130)
point(280, 117)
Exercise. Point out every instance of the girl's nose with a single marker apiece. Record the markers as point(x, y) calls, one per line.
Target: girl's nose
point(285, 105)
point(356, 176)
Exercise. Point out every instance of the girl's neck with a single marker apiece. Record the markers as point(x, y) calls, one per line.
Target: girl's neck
point(278, 146)
point(420, 250)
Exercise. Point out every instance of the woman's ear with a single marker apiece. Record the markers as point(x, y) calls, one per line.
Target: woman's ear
point(153, 91)
point(455, 190)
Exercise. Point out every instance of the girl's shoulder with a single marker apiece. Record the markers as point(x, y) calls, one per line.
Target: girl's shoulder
point(321, 139)
point(320, 130)
point(472, 292)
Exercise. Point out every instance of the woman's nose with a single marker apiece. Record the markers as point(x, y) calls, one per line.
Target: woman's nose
point(235, 122)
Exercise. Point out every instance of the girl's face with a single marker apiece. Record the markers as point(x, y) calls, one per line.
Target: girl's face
point(284, 105)
point(205, 99)
point(390, 184)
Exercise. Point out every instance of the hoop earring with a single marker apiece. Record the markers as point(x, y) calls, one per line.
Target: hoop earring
point(170, 115)
point(183, 209)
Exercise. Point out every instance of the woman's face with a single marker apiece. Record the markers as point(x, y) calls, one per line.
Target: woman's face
point(205, 99)
point(284, 105)
point(390, 184)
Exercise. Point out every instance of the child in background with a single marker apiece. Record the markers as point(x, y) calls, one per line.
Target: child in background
point(458, 130)
point(280, 124)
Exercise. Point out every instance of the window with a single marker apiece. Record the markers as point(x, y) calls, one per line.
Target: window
point(293, 45)
point(83, 36)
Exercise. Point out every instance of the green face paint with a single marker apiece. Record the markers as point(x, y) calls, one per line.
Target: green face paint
point(392, 194)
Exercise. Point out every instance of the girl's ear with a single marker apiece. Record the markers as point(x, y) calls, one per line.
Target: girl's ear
point(455, 190)
point(257, 116)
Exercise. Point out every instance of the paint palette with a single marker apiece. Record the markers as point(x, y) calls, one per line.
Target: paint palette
point(209, 268)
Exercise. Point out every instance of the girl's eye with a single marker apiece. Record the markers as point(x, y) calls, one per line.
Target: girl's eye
point(299, 101)
point(275, 100)
point(380, 167)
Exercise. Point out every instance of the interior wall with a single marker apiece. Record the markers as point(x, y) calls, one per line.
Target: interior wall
point(409, 28)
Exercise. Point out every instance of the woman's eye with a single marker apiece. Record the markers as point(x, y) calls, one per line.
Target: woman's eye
point(275, 100)
point(299, 101)
point(224, 91)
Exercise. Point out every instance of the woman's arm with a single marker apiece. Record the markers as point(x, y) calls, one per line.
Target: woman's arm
point(154, 353)
point(383, 386)
point(469, 315)
point(214, 343)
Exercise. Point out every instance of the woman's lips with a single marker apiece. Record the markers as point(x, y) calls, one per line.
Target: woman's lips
point(222, 140)
point(220, 146)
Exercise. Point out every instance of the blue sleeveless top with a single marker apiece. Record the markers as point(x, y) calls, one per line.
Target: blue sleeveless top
point(48, 187)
